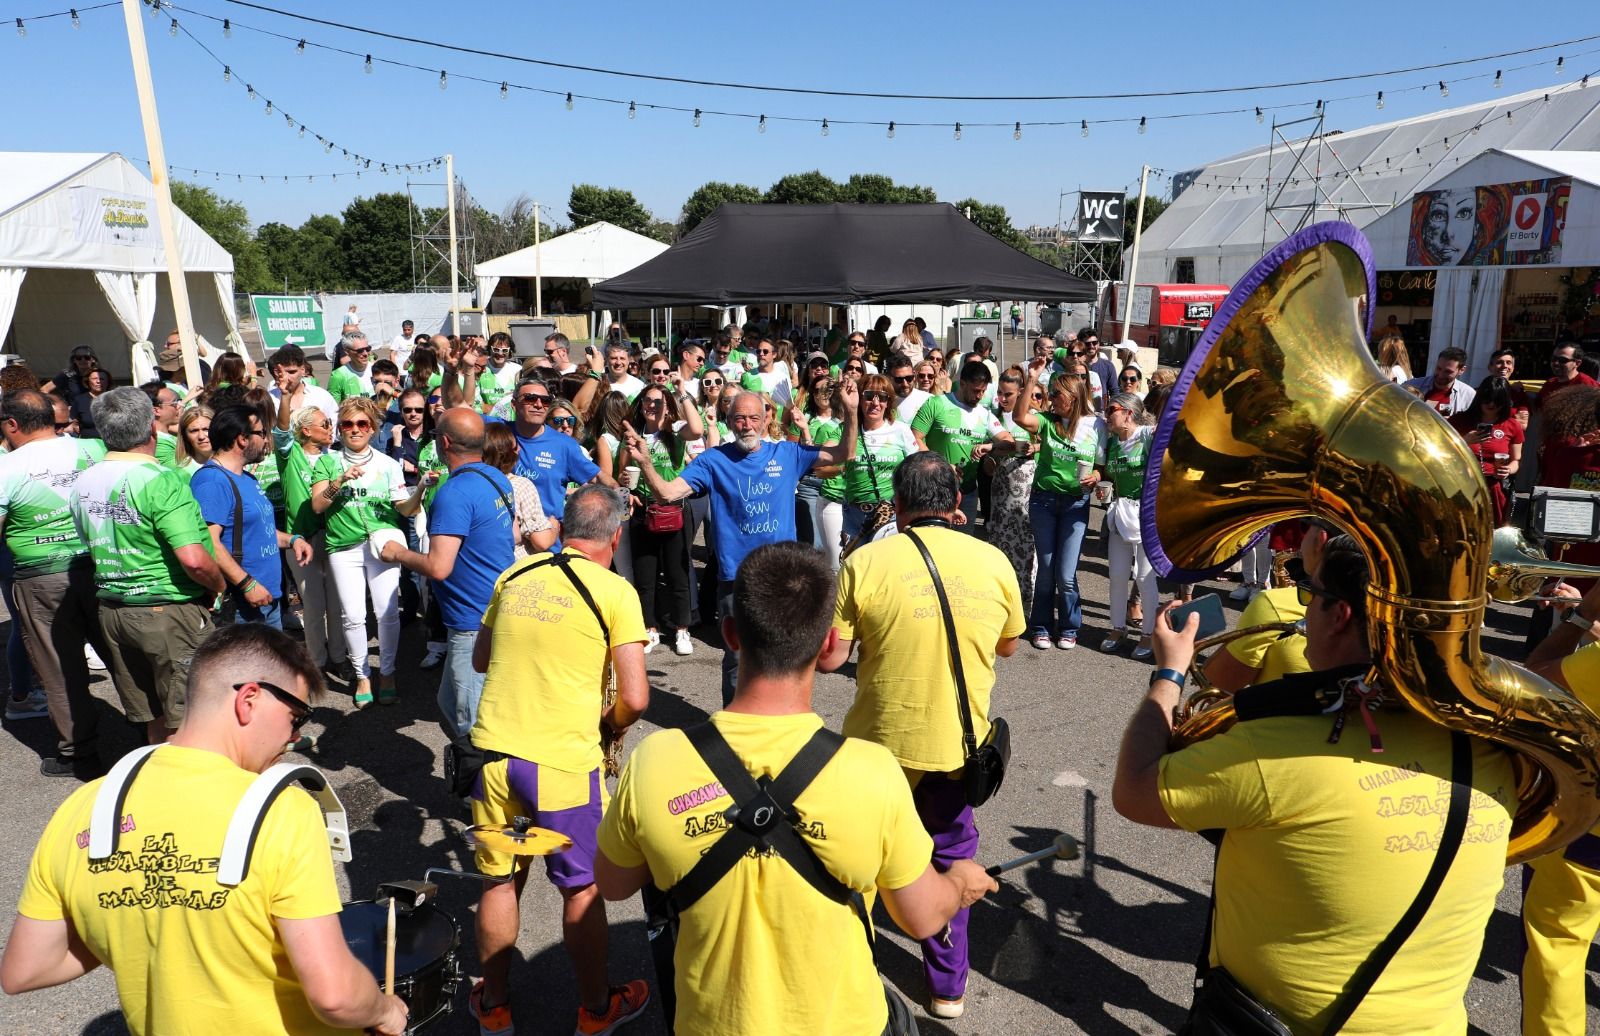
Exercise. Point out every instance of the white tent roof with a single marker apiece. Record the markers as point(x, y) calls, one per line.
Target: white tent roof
point(592, 253)
point(91, 211)
point(1220, 219)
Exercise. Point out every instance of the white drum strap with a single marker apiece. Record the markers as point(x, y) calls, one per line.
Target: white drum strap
point(240, 842)
point(105, 819)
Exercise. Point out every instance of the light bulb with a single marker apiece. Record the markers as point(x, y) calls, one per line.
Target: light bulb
point(1259, 116)
point(958, 131)
point(1561, 64)
point(301, 47)
point(1319, 106)
point(761, 127)
point(633, 110)
point(444, 79)
point(1083, 128)
point(269, 107)
point(288, 120)
point(327, 147)
point(1444, 88)
point(891, 131)
point(76, 24)
point(824, 127)
point(302, 131)
point(1497, 81)
point(155, 7)
point(1016, 132)
point(505, 90)
point(250, 91)
point(22, 30)
point(569, 101)
point(369, 64)
point(1380, 100)
point(172, 29)
point(697, 118)
point(227, 28)
point(1141, 125)
point(227, 74)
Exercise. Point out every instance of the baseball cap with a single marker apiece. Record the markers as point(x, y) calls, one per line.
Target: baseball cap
point(170, 359)
point(816, 356)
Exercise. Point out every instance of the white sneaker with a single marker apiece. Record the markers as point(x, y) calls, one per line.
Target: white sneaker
point(650, 644)
point(32, 707)
point(1241, 592)
point(682, 645)
point(93, 659)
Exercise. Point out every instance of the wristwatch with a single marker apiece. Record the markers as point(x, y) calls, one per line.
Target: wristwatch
point(1574, 619)
point(1168, 674)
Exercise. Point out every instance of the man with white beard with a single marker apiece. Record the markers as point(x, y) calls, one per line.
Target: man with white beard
point(751, 483)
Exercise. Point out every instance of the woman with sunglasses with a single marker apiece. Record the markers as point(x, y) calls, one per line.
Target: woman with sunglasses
point(309, 436)
point(363, 495)
point(1495, 437)
point(819, 497)
point(564, 418)
point(869, 475)
point(1072, 446)
point(193, 447)
point(665, 423)
point(1131, 380)
point(1127, 451)
point(1011, 485)
point(96, 383)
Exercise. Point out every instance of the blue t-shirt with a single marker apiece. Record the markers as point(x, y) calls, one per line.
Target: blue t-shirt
point(752, 495)
point(210, 487)
point(550, 460)
point(470, 507)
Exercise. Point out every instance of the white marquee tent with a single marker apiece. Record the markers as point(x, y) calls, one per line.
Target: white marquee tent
point(1219, 225)
point(592, 253)
point(81, 263)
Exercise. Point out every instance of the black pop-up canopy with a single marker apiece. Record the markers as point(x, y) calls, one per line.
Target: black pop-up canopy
point(838, 253)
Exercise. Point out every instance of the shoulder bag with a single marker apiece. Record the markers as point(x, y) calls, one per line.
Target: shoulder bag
point(1224, 1007)
point(985, 767)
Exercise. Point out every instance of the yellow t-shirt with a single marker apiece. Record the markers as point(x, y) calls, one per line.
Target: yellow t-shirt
point(1581, 671)
point(905, 693)
point(1270, 651)
point(1326, 846)
point(190, 956)
point(763, 951)
point(542, 693)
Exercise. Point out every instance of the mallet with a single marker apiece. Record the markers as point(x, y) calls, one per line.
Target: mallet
point(1065, 847)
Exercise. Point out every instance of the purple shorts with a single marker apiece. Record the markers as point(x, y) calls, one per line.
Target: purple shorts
point(554, 799)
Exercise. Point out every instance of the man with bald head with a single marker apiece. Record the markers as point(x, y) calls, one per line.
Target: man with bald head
point(471, 532)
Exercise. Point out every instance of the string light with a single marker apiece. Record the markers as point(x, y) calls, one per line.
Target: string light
point(1497, 80)
point(1083, 127)
point(891, 129)
point(761, 127)
point(250, 91)
point(269, 107)
point(1141, 125)
point(697, 118)
point(824, 127)
point(172, 30)
point(369, 64)
point(1380, 100)
point(1444, 88)
point(76, 24)
point(227, 27)
point(505, 90)
point(1016, 132)
point(302, 131)
point(569, 101)
point(1560, 66)
point(958, 131)
point(227, 74)
point(22, 30)
point(444, 79)
point(1259, 116)
point(633, 110)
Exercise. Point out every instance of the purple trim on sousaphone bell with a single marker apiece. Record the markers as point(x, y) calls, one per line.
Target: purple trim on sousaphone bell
point(1336, 232)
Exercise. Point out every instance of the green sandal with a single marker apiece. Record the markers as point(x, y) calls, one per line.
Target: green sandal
point(363, 693)
point(389, 695)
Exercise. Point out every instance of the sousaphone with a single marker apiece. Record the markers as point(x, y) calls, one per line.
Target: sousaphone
point(1281, 413)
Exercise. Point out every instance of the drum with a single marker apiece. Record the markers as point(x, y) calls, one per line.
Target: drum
point(426, 942)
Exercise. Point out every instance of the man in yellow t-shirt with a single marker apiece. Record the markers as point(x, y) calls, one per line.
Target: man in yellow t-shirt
point(1561, 891)
point(1326, 844)
point(763, 950)
point(545, 653)
point(193, 956)
point(905, 689)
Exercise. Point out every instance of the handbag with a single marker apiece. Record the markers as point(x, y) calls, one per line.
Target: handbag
point(985, 767)
point(663, 518)
point(1224, 1007)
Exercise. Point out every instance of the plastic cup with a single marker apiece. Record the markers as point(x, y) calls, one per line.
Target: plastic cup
point(1085, 469)
point(1103, 491)
point(630, 476)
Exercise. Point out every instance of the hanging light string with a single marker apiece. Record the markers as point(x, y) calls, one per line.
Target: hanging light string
point(71, 12)
point(241, 177)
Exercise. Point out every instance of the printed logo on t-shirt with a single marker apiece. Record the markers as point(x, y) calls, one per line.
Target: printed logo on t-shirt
point(160, 862)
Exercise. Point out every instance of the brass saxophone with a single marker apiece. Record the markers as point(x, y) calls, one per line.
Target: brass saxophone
point(1282, 413)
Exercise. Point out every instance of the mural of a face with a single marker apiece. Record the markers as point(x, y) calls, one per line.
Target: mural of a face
point(1447, 231)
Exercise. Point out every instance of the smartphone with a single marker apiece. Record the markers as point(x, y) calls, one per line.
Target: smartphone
point(1209, 608)
point(1484, 428)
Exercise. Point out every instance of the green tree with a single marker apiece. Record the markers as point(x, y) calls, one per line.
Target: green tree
point(877, 189)
point(375, 242)
point(993, 220)
point(228, 224)
point(1153, 208)
point(280, 250)
point(590, 204)
point(662, 230)
point(319, 260)
point(811, 188)
point(705, 199)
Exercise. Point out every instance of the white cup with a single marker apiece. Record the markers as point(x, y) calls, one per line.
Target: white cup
point(1103, 491)
point(1085, 469)
point(630, 476)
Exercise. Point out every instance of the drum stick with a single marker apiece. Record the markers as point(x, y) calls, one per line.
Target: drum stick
point(388, 954)
point(1065, 847)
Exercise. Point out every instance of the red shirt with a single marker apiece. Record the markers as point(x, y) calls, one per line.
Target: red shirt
point(1519, 400)
point(1437, 398)
point(1501, 438)
point(1554, 385)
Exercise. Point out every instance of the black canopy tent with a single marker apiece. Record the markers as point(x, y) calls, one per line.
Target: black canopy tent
point(838, 254)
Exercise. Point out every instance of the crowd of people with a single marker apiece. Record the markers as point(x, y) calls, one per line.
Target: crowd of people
point(539, 520)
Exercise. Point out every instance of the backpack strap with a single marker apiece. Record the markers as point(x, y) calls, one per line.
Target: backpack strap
point(105, 817)
point(239, 844)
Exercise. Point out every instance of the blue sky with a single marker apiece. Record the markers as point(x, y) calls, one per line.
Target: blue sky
point(73, 90)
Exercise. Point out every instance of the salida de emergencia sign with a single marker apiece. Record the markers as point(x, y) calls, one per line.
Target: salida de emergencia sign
point(288, 320)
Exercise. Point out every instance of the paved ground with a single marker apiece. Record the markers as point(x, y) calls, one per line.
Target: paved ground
point(1103, 945)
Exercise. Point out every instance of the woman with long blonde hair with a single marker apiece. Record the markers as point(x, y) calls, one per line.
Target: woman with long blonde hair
point(1394, 359)
point(908, 342)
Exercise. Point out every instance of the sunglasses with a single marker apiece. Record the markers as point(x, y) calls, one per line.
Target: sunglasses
point(534, 399)
point(564, 422)
point(355, 426)
point(712, 382)
point(1129, 379)
point(299, 711)
point(62, 426)
point(1306, 592)
point(904, 377)
point(352, 352)
point(660, 370)
point(413, 410)
point(855, 370)
point(874, 397)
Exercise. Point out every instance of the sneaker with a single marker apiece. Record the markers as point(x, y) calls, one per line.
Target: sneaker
point(86, 768)
point(682, 645)
point(1067, 641)
point(1041, 641)
point(942, 1008)
point(93, 658)
point(496, 1021)
point(651, 643)
point(435, 656)
point(31, 707)
point(627, 1003)
point(1240, 593)
point(1112, 642)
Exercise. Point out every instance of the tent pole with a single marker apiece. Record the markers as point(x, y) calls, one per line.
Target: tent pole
point(1133, 265)
point(450, 189)
point(538, 267)
point(161, 177)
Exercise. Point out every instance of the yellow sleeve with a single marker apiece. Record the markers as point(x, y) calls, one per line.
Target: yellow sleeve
point(1252, 650)
point(1581, 671)
point(618, 836)
point(302, 879)
point(625, 616)
point(906, 847)
point(1215, 783)
point(844, 606)
point(1016, 623)
point(43, 892)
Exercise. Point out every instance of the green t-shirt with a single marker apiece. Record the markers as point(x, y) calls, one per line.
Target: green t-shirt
point(267, 476)
point(489, 390)
point(1060, 455)
point(36, 483)
point(344, 384)
point(295, 468)
point(1125, 461)
point(951, 430)
point(669, 463)
point(364, 505)
point(872, 480)
point(166, 450)
point(428, 460)
point(134, 514)
point(187, 469)
point(825, 431)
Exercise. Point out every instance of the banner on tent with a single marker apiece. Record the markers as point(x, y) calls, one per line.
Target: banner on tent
point(102, 218)
point(1099, 217)
point(1503, 224)
point(288, 320)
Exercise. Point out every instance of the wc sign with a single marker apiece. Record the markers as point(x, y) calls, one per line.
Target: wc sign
point(1100, 216)
point(1526, 232)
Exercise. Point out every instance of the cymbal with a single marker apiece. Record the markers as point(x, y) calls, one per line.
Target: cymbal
point(532, 841)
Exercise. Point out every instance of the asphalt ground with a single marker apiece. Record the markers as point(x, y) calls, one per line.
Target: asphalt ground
point(1101, 945)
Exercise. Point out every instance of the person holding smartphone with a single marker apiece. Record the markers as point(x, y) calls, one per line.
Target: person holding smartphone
point(1495, 437)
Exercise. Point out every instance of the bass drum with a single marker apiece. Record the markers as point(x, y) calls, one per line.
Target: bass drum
point(426, 944)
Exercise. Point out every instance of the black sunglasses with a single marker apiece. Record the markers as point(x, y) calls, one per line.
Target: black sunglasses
point(413, 410)
point(299, 710)
point(1307, 592)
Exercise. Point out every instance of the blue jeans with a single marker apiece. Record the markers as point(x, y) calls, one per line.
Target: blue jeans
point(1058, 523)
point(266, 614)
point(460, 686)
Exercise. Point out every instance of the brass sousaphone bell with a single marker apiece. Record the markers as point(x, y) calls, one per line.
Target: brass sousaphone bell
point(1282, 413)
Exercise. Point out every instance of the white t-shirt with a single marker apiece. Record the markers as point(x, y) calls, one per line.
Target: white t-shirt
point(907, 408)
point(506, 377)
point(314, 395)
point(400, 350)
point(629, 386)
point(775, 383)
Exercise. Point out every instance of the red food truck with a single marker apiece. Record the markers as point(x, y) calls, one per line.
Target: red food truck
point(1166, 317)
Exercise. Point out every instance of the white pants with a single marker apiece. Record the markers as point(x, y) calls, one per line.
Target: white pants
point(355, 571)
point(622, 560)
point(1257, 563)
point(1123, 559)
point(830, 524)
point(319, 603)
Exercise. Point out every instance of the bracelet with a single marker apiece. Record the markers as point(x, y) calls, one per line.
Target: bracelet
point(1171, 675)
point(295, 538)
point(244, 585)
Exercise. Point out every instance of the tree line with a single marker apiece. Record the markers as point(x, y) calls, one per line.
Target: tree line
point(368, 246)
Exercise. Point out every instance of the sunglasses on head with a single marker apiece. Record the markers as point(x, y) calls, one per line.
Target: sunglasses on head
point(355, 426)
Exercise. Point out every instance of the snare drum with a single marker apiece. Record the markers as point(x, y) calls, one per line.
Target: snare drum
point(426, 943)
